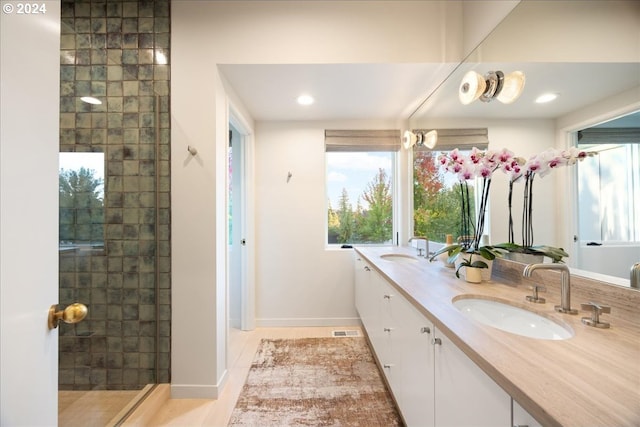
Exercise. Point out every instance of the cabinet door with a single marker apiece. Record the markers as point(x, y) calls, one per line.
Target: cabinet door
point(387, 300)
point(522, 418)
point(412, 343)
point(465, 395)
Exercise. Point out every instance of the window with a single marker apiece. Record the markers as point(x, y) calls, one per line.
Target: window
point(437, 206)
point(81, 187)
point(609, 193)
point(359, 175)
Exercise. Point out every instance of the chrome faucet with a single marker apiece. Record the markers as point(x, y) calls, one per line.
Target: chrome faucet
point(565, 284)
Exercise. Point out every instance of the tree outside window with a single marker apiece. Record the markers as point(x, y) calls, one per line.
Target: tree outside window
point(436, 199)
point(81, 199)
point(360, 207)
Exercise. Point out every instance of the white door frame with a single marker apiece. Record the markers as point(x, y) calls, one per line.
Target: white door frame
point(247, 289)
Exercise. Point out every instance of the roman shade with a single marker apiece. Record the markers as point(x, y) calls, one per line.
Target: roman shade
point(362, 140)
point(609, 136)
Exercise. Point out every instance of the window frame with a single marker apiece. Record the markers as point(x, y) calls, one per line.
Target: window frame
point(387, 141)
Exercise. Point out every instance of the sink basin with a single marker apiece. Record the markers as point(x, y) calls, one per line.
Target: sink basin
point(399, 258)
point(509, 318)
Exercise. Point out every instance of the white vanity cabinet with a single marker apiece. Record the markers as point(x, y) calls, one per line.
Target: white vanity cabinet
point(465, 395)
point(522, 418)
point(401, 339)
point(433, 382)
point(412, 345)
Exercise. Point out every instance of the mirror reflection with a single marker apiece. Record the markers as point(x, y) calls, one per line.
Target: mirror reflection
point(586, 56)
point(81, 188)
point(608, 189)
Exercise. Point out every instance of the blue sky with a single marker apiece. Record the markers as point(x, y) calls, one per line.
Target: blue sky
point(354, 171)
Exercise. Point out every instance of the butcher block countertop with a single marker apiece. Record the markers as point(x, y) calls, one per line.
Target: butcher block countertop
point(591, 379)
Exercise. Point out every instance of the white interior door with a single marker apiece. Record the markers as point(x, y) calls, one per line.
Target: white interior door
point(29, 96)
point(241, 285)
point(236, 235)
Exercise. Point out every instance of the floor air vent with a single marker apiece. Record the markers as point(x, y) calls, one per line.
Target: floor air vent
point(345, 333)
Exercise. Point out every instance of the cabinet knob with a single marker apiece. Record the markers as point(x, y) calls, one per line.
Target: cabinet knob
point(387, 296)
point(425, 330)
point(387, 366)
point(437, 341)
point(388, 329)
point(366, 268)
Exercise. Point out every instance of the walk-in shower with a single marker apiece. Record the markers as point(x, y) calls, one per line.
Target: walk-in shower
point(115, 193)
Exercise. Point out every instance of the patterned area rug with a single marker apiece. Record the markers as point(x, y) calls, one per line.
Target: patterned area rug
point(314, 382)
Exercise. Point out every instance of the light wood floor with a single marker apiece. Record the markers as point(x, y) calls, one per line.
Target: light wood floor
point(93, 408)
point(216, 413)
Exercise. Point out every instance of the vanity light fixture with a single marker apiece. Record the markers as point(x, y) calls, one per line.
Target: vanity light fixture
point(546, 97)
point(428, 139)
point(90, 100)
point(493, 85)
point(305, 100)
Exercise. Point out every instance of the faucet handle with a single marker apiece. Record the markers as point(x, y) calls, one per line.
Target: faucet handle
point(596, 310)
point(535, 298)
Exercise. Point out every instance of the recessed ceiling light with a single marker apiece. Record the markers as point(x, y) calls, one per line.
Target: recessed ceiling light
point(91, 100)
point(305, 100)
point(546, 97)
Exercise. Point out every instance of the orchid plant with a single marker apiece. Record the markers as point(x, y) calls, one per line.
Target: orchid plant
point(517, 168)
point(479, 164)
point(482, 164)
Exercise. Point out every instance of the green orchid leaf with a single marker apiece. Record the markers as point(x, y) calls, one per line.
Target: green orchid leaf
point(479, 264)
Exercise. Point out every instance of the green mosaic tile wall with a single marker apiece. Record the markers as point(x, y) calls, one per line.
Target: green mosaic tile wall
point(118, 51)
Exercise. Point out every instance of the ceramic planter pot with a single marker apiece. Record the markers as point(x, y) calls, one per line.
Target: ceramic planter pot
point(473, 274)
point(486, 272)
point(524, 258)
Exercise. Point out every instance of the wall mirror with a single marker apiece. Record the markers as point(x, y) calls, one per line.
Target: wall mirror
point(586, 53)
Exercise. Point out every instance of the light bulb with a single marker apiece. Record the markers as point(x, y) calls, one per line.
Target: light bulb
point(511, 87)
point(430, 139)
point(90, 100)
point(305, 100)
point(471, 87)
point(409, 139)
point(546, 97)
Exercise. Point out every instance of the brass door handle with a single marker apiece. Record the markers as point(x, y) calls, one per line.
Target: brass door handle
point(74, 313)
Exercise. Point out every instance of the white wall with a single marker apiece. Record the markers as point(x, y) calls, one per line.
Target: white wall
point(299, 280)
point(205, 34)
point(573, 31)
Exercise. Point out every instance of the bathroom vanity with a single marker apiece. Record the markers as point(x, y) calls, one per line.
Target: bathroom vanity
point(447, 369)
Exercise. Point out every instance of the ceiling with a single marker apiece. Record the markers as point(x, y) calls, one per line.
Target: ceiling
point(341, 91)
point(577, 85)
point(394, 91)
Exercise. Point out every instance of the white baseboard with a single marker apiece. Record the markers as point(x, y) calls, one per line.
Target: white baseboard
point(307, 322)
point(198, 391)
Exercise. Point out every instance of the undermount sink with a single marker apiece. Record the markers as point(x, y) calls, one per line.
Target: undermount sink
point(509, 318)
point(399, 258)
